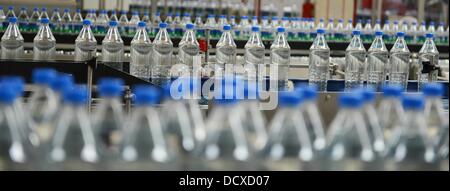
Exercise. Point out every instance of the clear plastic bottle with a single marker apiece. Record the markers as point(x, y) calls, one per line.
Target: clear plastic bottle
point(146, 137)
point(162, 56)
point(254, 54)
point(400, 62)
point(13, 145)
point(23, 19)
point(73, 138)
point(355, 58)
point(85, 44)
point(141, 53)
point(411, 148)
point(44, 42)
point(109, 118)
point(440, 34)
point(319, 61)
point(77, 22)
point(349, 145)
point(280, 58)
point(112, 47)
point(12, 41)
point(339, 32)
point(288, 135)
point(34, 20)
point(66, 21)
point(226, 53)
point(422, 32)
point(428, 61)
point(123, 22)
point(43, 103)
point(55, 20)
point(44, 14)
point(134, 20)
point(189, 50)
point(311, 115)
point(390, 110)
point(377, 62)
point(102, 22)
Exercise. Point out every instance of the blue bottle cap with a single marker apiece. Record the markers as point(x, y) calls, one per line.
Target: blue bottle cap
point(289, 99)
point(350, 100)
point(146, 95)
point(190, 26)
point(378, 33)
point(66, 10)
point(44, 76)
point(255, 29)
point(110, 87)
point(112, 23)
point(7, 94)
point(163, 25)
point(12, 19)
point(433, 89)
point(76, 95)
point(392, 91)
point(142, 24)
point(281, 29)
point(356, 32)
point(320, 31)
point(62, 82)
point(429, 35)
point(86, 22)
point(44, 20)
point(44, 9)
point(400, 34)
point(226, 27)
point(415, 102)
point(11, 7)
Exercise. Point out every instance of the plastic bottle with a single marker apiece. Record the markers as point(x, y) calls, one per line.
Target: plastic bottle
point(44, 42)
point(280, 58)
point(162, 56)
point(23, 19)
point(66, 22)
point(428, 61)
point(13, 144)
point(55, 20)
point(377, 62)
point(34, 20)
point(409, 35)
point(112, 47)
point(134, 20)
point(400, 62)
point(123, 22)
point(44, 14)
point(319, 61)
point(355, 58)
point(77, 21)
point(12, 41)
point(349, 145)
point(73, 138)
point(141, 53)
point(43, 103)
point(226, 53)
point(390, 110)
point(102, 22)
point(411, 147)
point(85, 44)
point(440, 34)
point(189, 50)
point(254, 54)
point(109, 118)
point(146, 138)
point(288, 136)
